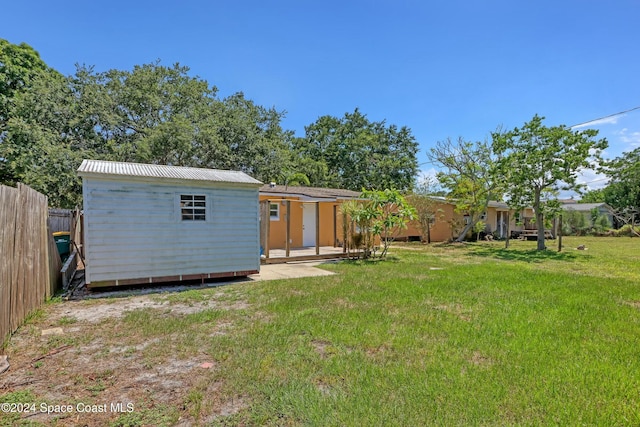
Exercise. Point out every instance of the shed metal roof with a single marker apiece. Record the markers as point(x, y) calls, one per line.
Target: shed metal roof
point(108, 168)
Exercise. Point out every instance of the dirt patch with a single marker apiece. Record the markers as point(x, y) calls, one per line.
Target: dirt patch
point(95, 311)
point(456, 309)
point(323, 348)
point(634, 304)
point(343, 303)
point(479, 359)
point(87, 355)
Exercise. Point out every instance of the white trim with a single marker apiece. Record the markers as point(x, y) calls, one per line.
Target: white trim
point(277, 205)
point(178, 204)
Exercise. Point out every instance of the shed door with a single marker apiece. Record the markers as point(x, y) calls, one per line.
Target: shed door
point(308, 224)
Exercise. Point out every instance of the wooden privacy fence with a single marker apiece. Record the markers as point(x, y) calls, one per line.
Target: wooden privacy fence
point(60, 220)
point(29, 262)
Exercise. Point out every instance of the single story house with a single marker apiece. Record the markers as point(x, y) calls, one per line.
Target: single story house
point(314, 215)
point(447, 223)
point(153, 223)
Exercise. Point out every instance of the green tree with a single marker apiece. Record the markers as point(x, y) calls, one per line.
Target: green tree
point(471, 176)
point(381, 213)
point(390, 215)
point(623, 191)
point(151, 114)
point(537, 158)
point(358, 216)
point(296, 178)
point(593, 196)
point(355, 153)
point(573, 223)
point(19, 65)
point(250, 138)
point(48, 134)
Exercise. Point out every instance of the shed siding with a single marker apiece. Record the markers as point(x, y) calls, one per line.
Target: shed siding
point(134, 230)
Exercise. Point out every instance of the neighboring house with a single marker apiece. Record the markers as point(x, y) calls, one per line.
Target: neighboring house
point(152, 223)
point(314, 215)
point(440, 229)
point(586, 208)
point(448, 223)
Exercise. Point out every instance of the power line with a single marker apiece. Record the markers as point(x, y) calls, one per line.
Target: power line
point(606, 117)
point(595, 180)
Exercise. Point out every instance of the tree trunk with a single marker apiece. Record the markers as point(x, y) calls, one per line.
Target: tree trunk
point(506, 243)
point(539, 221)
point(465, 231)
point(559, 234)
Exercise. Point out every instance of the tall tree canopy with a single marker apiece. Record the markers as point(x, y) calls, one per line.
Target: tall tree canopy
point(19, 65)
point(623, 190)
point(536, 159)
point(161, 114)
point(151, 114)
point(354, 153)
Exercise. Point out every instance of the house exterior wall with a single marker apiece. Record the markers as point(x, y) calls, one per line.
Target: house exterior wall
point(447, 218)
point(278, 227)
point(491, 220)
point(134, 231)
point(440, 230)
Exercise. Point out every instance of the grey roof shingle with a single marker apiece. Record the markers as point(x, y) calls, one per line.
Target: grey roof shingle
point(583, 207)
point(314, 192)
point(103, 167)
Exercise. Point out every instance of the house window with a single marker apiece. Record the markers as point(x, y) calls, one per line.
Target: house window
point(193, 208)
point(274, 211)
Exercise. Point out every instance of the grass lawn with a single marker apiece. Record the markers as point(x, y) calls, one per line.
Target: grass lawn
point(469, 334)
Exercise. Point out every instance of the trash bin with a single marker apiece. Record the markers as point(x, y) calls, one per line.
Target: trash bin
point(63, 242)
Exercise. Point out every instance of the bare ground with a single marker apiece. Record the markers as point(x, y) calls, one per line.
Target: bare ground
point(83, 353)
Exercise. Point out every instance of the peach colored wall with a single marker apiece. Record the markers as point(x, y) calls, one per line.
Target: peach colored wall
point(277, 228)
point(440, 230)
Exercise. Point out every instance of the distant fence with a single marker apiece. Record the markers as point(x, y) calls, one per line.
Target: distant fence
point(60, 220)
point(29, 261)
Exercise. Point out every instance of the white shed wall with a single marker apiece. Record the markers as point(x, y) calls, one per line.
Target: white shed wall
point(134, 230)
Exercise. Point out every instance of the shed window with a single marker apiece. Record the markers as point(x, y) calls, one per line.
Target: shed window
point(274, 211)
point(193, 208)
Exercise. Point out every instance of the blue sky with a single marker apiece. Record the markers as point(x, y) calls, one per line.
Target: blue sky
point(442, 68)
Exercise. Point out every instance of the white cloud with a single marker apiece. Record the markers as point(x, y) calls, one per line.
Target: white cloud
point(605, 121)
point(591, 180)
point(633, 138)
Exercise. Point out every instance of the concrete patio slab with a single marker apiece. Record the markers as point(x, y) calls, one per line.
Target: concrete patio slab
point(290, 271)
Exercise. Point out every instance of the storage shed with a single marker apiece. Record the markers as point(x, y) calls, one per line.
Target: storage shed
point(153, 223)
